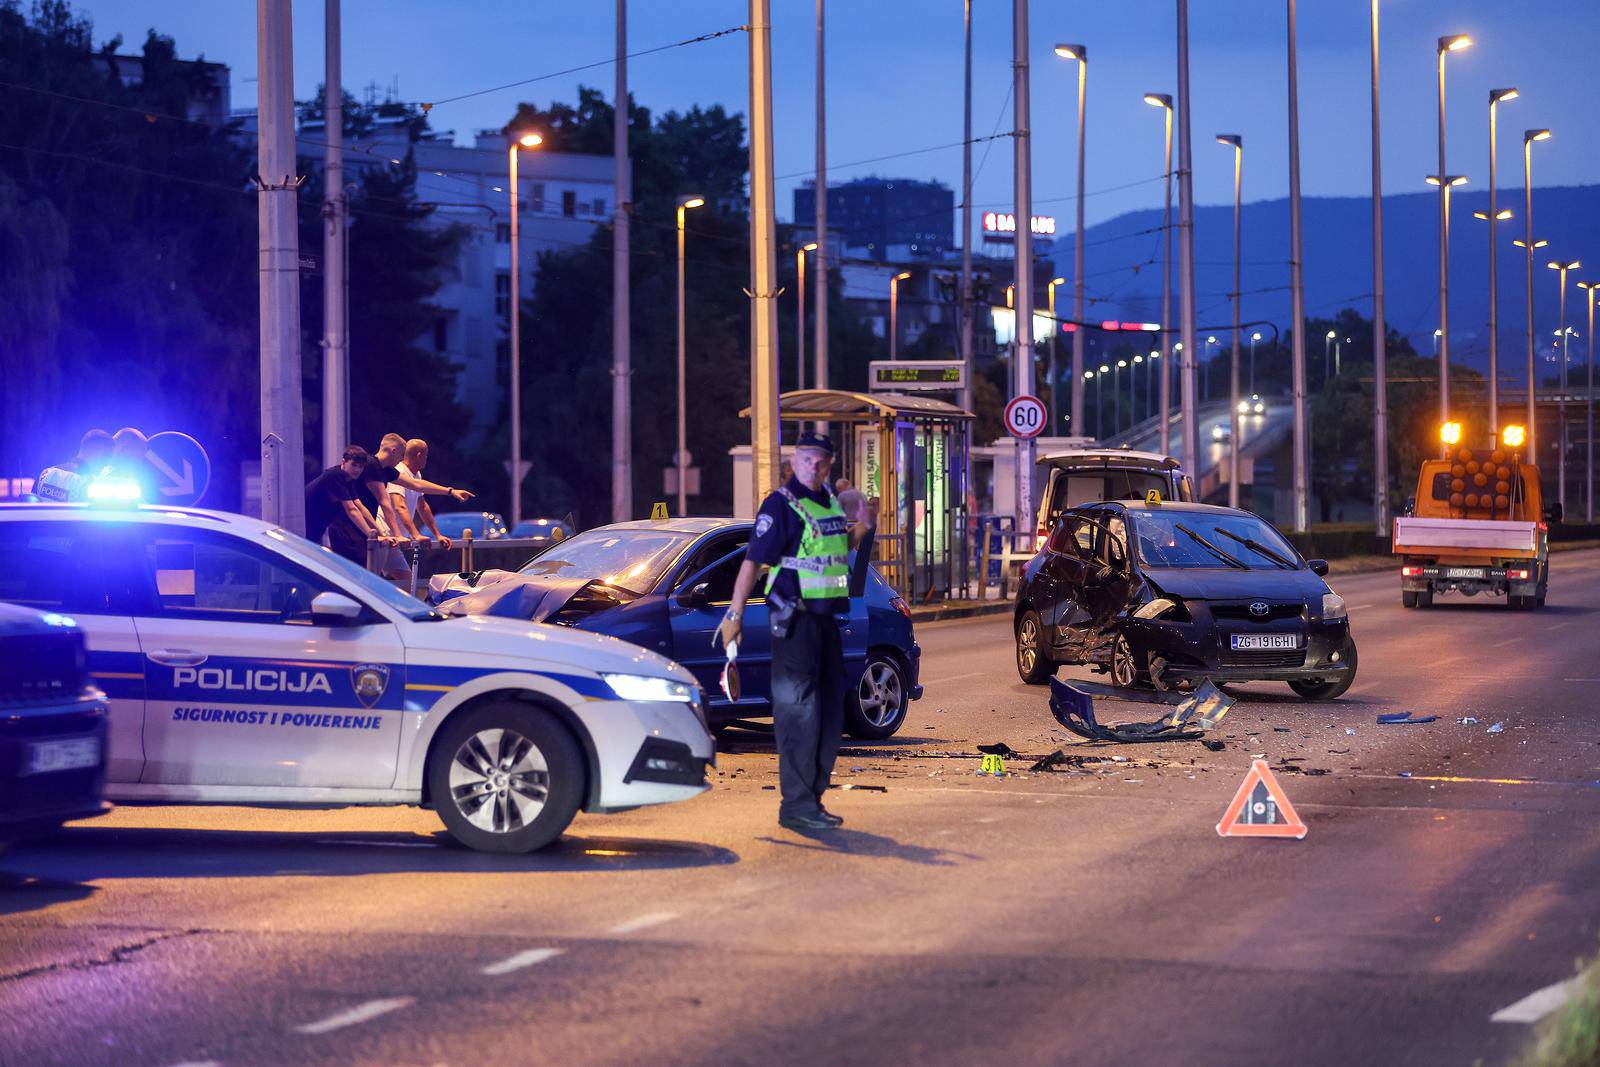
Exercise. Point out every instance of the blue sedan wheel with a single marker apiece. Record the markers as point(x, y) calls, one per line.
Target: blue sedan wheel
point(877, 708)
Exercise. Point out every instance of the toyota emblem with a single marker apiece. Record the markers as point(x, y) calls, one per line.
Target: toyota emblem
point(1259, 609)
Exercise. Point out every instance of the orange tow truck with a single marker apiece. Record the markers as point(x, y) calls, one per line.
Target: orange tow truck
point(1476, 525)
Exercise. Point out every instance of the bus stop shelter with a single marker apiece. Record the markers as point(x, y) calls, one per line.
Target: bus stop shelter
point(912, 453)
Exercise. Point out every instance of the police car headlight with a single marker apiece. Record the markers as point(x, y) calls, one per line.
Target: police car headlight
point(644, 687)
point(1333, 607)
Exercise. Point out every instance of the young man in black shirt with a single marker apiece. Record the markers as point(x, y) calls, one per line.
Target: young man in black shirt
point(331, 507)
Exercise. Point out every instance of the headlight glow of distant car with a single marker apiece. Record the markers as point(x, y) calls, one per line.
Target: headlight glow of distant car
point(1333, 606)
point(645, 687)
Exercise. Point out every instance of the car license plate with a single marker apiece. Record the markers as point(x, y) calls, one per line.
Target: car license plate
point(1463, 572)
point(1263, 642)
point(69, 754)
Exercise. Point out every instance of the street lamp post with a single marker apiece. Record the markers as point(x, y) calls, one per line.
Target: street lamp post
point(1254, 339)
point(894, 313)
point(1493, 216)
point(685, 204)
point(1588, 404)
point(1236, 142)
point(1327, 357)
point(1055, 330)
point(527, 140)
point(1100, 402)
point(1164, 102)
point(1297, 295)
point(1561, 268)
point(1133, 390)
point(1081, 54)
point(1528, 245)
point(1380, 329)
point(1445, 182)
point(1116, 404)
point(800, 313)
point(1452, 43)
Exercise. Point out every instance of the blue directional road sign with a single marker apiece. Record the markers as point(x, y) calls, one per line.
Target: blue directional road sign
point(182, 469)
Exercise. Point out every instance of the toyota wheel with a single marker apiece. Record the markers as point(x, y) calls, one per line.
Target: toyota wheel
point(505, 778)
point(1033, 662)
point(877, 708)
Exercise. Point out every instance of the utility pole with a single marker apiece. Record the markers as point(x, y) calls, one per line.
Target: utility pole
point(1022, 332)
point(621, 292)
point(1191, 432)
point(821, 262)
point(764, 448)
point(1302, 502)
point(964, 308)
point(1380, 332)
point(282, 433)
point(335, 342)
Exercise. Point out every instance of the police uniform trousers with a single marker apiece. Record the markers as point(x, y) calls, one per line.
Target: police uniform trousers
point(807, 708)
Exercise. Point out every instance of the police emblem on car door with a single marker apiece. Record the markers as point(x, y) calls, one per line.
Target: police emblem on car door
point(369, 681)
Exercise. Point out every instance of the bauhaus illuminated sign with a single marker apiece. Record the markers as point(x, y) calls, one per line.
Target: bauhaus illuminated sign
point(1006, 222)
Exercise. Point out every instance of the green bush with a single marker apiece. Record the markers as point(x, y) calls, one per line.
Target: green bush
point(1338, 540)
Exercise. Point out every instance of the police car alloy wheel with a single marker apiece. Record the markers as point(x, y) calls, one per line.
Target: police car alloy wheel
point(505, 778)
point(877, 709)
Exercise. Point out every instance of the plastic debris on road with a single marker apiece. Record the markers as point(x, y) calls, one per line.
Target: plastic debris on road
point(1403, 718)
point(1469, 720)
point(1001, 749)
point(1497, 728)
point(1072, 705)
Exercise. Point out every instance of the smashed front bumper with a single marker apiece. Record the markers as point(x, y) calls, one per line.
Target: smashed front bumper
point(1185, 652)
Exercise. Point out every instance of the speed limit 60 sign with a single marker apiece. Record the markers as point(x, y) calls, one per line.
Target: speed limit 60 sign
point(1026, 417)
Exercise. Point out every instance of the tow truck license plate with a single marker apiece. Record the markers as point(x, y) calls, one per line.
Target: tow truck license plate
point(1258, 642)
point(68, 754)
point(1463, 572)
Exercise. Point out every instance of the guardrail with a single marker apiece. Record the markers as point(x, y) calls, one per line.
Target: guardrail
point(424, 559)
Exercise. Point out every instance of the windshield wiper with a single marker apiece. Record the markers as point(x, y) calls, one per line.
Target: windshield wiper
point(1229, 560)
point(1256, 546)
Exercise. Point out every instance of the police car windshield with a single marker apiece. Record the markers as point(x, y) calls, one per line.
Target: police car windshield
point(356, 575)
point(1191, 539)
point(630, 560)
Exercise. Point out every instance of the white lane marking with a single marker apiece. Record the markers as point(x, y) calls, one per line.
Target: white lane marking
point(199, 1063)
point(1538, 1004)
point(1361, 607)
point(379, 844)
point(644, 922)
point(521, 960)
point(956, 678)
point(358, 1014)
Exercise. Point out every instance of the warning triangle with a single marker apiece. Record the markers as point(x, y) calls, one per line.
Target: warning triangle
point(1259, 808)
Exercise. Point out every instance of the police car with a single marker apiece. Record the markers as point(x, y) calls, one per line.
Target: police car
point(246, 665)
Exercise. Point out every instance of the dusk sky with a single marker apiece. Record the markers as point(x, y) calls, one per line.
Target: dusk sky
point(895, 81)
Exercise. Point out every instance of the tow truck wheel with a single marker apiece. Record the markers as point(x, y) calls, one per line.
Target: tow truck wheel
point(1331, 690)
point(1425, 598)
point(1033, 662)
point(1408, 599)
point(505, 777)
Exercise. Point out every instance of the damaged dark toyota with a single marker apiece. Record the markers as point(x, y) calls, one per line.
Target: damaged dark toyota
point(1166, 595)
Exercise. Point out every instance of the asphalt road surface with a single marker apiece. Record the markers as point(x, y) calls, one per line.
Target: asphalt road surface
point(1089, 916)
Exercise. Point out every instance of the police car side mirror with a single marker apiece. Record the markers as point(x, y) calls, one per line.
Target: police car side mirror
point(334, 609)
point(1319, 567)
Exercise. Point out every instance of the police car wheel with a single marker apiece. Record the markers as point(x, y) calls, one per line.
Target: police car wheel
point(877, 708)
point(505, 778)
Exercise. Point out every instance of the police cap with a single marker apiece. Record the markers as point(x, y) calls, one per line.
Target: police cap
point(812, 439)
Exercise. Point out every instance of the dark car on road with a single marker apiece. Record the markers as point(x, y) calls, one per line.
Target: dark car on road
point(1167, 594)
point(52, 725)
point(666, 584)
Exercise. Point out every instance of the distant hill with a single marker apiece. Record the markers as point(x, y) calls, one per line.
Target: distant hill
point(1338, 263)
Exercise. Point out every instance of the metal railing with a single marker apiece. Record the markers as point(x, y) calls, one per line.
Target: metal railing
point(424, 559)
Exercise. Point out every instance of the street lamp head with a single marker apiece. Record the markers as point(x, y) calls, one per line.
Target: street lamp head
point(1058, 281)
point(1558, 265)
point(1438, 333)
point(688, 202)
point(1520, 243)
point(1497, 95)
point(1330, 335)
point(1073, 51)
point(1211, 340)
point(809, 246)
point(902, 276)
point(1088, 374)
point(1454, 43)
point(1155, 354)
point(1255, 337)
point(530, 140)
point(1178, 347)
point(1104, 369)
point(1121, 363)
point(1233, 140)
point(1500, 216)
point(1529, 136)
point(1138, 359)
point(1159, 100)
point(1451, 180)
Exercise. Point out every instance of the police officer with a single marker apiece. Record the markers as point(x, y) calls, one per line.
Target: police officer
point(70, 480)
point(801, 532)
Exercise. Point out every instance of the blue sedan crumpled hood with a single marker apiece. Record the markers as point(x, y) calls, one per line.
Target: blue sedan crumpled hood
point(517, 596)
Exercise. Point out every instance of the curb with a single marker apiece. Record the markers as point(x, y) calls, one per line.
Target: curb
point(967, 610)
